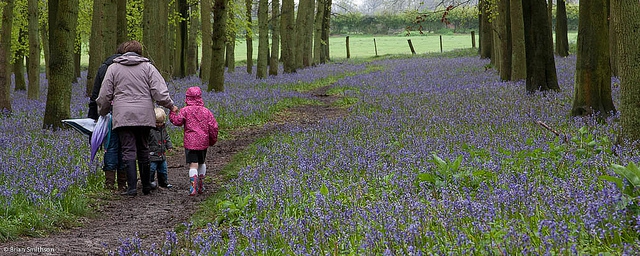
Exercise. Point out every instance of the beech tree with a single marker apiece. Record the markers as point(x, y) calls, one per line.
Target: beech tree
point(263, 38)
point(216, 78)
point(5, 53)
point(205, 20)
point(63, 19)
point(626, 23)
point(33, 73)
point(275, 37)
point(541, 66)
point(593, 73)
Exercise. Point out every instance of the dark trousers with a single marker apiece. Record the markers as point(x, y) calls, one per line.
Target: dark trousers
point(134, 144)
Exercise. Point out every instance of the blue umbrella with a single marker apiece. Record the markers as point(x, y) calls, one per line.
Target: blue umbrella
point(101, 130)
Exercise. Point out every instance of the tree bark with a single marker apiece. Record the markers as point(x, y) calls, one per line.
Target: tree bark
point(110, 36)
point(182, 40)
point(205, 63)
point(230, 54)
point(33, 91)
point(485, 30)
point(317, 37)
point(562, 40)
point(263, 38)
point(192, 44)
point(287, 38)
point(326, 25)
point(5, 53)
point(275, 38)
point(614, 52)
point(504, 34)
point(626, 24)
point(63, 18)
point(121, 34)
point(541, 67)
point(18, 63)
point(155, 35)
point(518, 48)
point(593, 74)
point(249, 36)
point(304, 32)
point(216, 78)
point(96, 49)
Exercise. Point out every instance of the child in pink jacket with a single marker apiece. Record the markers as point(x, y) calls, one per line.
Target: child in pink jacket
point(200, 132)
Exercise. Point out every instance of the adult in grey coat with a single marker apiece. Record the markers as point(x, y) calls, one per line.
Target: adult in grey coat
point(131, 88)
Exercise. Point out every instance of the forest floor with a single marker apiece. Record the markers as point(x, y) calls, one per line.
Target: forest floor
point(150, 216)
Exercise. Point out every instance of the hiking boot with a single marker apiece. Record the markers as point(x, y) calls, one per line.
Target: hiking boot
point(122, 180)
point(130, 192)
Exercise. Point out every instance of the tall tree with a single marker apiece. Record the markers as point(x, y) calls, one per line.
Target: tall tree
point(192, 46)
point(205, 62)
point(485, 29)
point(110, 27)
point(593, 74)
point(155, 27)
point(326, 25)
point(317, 37)
point(5, 53)
point(249, 35)
point(275, 38)
point(613, 39)
point(96, 47)
point(504, 35)
point(216, 78)
point(230, 47)
point(263, 38)
point(304, 33)
point(562, 39)
point(287, 38)
point(518, 47)
point(541, 66)
point(626, 23)
point(18, 61)
point(63, 19)
point(121, 23)
point(33, 91)
point(182, 38)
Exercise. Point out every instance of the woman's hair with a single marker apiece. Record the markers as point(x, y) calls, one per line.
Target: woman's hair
point(130, 46)
point(161, 116)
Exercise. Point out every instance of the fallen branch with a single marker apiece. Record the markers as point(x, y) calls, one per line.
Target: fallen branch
point(564, 137)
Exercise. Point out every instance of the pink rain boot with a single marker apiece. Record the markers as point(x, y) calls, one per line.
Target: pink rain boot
point(200, 183)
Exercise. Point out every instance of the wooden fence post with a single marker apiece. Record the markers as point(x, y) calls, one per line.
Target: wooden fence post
point(440, 43)
point(473, 39)
point(348, 52)
point(375, 46)
point(411, 47)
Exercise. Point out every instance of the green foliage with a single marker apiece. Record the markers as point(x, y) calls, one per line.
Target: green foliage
point(234, 209)
point(629, 184)
point(450, 172)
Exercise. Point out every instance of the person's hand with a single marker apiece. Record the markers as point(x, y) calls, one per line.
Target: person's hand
point(174, 109)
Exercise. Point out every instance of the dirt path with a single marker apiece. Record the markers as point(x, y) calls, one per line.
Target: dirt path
point(150, 216)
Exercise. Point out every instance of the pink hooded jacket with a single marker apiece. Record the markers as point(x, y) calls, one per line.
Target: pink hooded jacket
point(200, 126)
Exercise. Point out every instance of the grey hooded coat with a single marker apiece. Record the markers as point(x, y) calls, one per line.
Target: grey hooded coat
point(131, 86)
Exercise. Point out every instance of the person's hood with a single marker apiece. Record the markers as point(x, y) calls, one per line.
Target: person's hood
point(109, 60)
point(130, 59)
point(194, 96)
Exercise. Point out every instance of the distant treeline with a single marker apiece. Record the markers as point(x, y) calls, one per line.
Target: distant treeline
point(461, 19)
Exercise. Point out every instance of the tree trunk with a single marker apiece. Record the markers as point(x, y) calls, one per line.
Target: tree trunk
point(63, 18)
point(593, 74)
point(518, 50)
point(230, 54)
point(18, 63)
point(33, 92)
point(541, 66)
point(263, 38)
point(192, 44)
point(5, 53)
point(326, 25)
point(249, 36)
point(110, 26)
point(275, 37)
point(182, 40)
point(317, 37)
point(121, 34)
point(504, 30)
point(485, 31)
point(304, 32)
point(155, 26)
point(287, 36)
point(96, 49)
point(614, 52)
point(77, 56)
point(626, 23)
point(562, 39)
point(216, 78)
point(205, 19)
point(44, 33)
